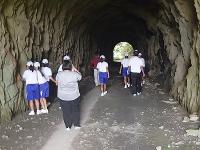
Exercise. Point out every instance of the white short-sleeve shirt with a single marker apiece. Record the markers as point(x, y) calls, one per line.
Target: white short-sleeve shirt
point(135, 63)
point(30, 77)
point(60, 68)
point(125, 62)
point(46, 71)
point(143, 61)
point(41, 79)
point(102, 66)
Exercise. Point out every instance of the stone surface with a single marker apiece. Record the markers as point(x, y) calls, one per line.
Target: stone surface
point(167, 33)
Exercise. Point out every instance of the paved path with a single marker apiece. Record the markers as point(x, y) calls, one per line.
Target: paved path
point(119, 121)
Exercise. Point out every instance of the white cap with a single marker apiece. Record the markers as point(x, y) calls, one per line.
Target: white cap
point(102, 56)
point(45, 61)
point(29, 63)
point(36, 64)
point(66, 57)
point(140, 54)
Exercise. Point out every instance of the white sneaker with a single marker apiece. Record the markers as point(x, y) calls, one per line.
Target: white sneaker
point(68, 129)
point(134, 94)
point(44, 111)
point(102, 94)
point(77, 127)
point(31, 113)
point(38, 112)
point(105, 92)
point(128, 85)
point(138, 93)
point(125, 86)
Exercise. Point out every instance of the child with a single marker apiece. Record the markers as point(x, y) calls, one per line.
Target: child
point(125, 71)
point(43, 88)
point(102, 67)
point(32, 88)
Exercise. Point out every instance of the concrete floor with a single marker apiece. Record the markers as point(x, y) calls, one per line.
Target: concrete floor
point(119, 121)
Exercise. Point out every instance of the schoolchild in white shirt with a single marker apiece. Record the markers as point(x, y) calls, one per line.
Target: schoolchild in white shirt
point(47, 72)
point(125, 71)
point(102, 67)
point(32, 87)
point(43, 88)
point(136, 66)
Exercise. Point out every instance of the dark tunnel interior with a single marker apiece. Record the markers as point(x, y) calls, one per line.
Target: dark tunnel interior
point(166, 32)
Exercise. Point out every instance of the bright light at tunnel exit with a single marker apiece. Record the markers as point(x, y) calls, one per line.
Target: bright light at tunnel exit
point(120, 50)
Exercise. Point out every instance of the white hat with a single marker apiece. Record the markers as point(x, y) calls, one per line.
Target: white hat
point(29, 63)
point(36, 64)
point(140, 54)
point(45, 61)
point(66, 57)
point(102, 56)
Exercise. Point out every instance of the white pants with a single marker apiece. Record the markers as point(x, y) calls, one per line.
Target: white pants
point(96, 77)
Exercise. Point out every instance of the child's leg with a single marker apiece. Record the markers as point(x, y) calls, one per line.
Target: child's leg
point(31, 105)
point(45, 103)
point(37, 104)
point(125, 81)
point(104, 88)
point(42, 103)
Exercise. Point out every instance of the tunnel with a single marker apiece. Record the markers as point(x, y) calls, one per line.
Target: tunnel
point(166, 32)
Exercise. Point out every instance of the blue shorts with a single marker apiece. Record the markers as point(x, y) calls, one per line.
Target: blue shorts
point(32, 92)
point(44, 90)
point(125, 72)
point(103, 77)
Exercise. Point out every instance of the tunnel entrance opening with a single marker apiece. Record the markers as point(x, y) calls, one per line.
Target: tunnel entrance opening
point(120, 50)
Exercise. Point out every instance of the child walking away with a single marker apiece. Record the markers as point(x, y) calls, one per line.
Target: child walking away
point(32, 87)
point(46, 71)
point(125, 71)
point(102, 67)
point(136, 66)
point(43, 88)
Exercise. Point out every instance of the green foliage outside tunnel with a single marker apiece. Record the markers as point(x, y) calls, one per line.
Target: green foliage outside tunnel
point(120, 50)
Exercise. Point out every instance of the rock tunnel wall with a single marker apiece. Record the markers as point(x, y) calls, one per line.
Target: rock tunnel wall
point(176, 42)
point(34, 29)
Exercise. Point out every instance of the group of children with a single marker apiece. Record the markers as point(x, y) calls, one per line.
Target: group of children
point(125, 70)
point(37, 79)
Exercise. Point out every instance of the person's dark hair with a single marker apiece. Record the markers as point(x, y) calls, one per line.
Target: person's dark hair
point(136, 53)
point(67, 65)
point(102, 59)
point(31, 67)
point(45, 65)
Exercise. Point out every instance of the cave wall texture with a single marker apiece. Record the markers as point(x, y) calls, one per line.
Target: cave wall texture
point(167, 32)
